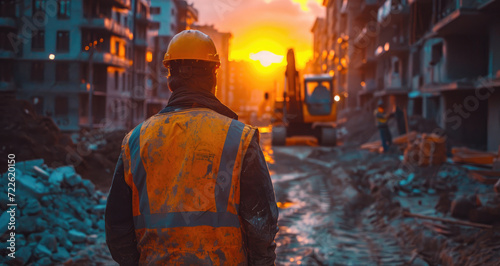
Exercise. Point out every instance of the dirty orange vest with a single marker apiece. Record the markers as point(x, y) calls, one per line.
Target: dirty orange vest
point(183, 168)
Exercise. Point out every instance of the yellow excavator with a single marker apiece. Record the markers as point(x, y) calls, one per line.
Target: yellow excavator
point(307, 110)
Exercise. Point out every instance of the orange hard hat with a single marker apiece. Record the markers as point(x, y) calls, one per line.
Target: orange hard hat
point(191, 45)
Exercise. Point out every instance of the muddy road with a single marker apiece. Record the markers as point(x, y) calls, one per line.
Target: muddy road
point(324, 217)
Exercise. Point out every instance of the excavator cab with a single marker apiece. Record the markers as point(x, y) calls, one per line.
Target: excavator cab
point(318, 100)
point(307, 108)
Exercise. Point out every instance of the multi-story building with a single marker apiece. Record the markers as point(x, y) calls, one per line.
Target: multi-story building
point(437, 59)
point(455, 64)
point(169, 18)
point(221, 41)
point(64, 56)
point(8, 32)
point(320, 52)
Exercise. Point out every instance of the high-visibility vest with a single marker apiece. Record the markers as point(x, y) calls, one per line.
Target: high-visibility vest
point(380, 117)
point(183, 168)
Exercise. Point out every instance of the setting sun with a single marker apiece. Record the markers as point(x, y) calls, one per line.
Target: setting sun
point(266, 58)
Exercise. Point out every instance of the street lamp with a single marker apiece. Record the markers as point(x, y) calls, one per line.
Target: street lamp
point(52, 56)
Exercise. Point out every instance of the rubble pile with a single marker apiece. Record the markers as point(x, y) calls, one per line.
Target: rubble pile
point(101, 151)
point(60, 218)
point(425, 150)
point(444, 193)
point(439, 212)
point(30, 136)
point(357, 127)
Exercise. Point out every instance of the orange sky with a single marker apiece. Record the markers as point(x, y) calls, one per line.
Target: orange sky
point(263, 25)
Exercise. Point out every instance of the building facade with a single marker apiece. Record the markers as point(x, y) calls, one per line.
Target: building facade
point(169, 18)
point(436, 59)
point(222, 42)
point(64, 56)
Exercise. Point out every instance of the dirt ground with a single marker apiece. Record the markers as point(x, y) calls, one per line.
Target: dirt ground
point(345, 206)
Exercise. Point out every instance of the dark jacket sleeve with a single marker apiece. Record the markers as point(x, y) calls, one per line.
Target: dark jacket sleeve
point(258, 206)
point(120, 232)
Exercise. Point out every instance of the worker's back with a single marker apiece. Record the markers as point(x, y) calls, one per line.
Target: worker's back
point(183, 168)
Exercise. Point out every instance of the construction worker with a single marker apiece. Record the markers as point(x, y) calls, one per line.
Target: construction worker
point(381, 119)
point(191, 186)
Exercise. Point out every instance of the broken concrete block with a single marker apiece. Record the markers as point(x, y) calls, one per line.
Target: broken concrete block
point(408, 180)
point(73, 180)
point(44, 261)
point(92, 239)
point(68, 245)
point(99, 209)
point(23, 255)
point(61, 255)
point(40, 172)
point(100, 224)
point(27, 166)
point(20, 240)
point(76, 236)
point(27, 225)
point(49, 241)
point(41, 225)
point(56, 177)
point(89, 186)
point(4, 221)
point(30, 187)
point(32, 207)
point(60, 234)
point(35, 237)
point(42, 251)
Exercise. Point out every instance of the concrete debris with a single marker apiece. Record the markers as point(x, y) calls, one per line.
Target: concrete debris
point(39, 141)
point(76, 236)
point(469, 156)
point(362, 199)
point(60, 214)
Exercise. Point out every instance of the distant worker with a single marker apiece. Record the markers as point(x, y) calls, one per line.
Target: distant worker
point(381, 121)
point(191, 186)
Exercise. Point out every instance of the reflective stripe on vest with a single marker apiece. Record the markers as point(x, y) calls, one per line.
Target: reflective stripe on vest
point(221, 218)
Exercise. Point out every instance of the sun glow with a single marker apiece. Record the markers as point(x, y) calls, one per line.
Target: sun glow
point(266, 58)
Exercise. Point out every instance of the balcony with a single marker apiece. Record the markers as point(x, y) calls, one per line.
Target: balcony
point(459, 17)
point(393, 48)
point(7, 86)
point(489, 5)
point(365, 8)
point(452, 86)
point(143, 19)
point(403, 90)
point(118, 3)
point(7, 22)
point(108, 24)
point(368, 33)
point(140, 42)
point(392, 11)
point(106, 58)
point(366, 63)
point(5, 54)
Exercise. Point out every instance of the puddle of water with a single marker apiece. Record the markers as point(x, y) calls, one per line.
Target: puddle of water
point(284, 205)
point(317, 226)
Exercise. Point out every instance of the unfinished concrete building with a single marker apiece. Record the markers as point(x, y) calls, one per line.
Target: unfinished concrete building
point(436, 59)
point(169, 18)
point(222, 42)
point(58, 52)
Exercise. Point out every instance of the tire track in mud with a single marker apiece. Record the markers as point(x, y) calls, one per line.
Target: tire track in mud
point(326, 219)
